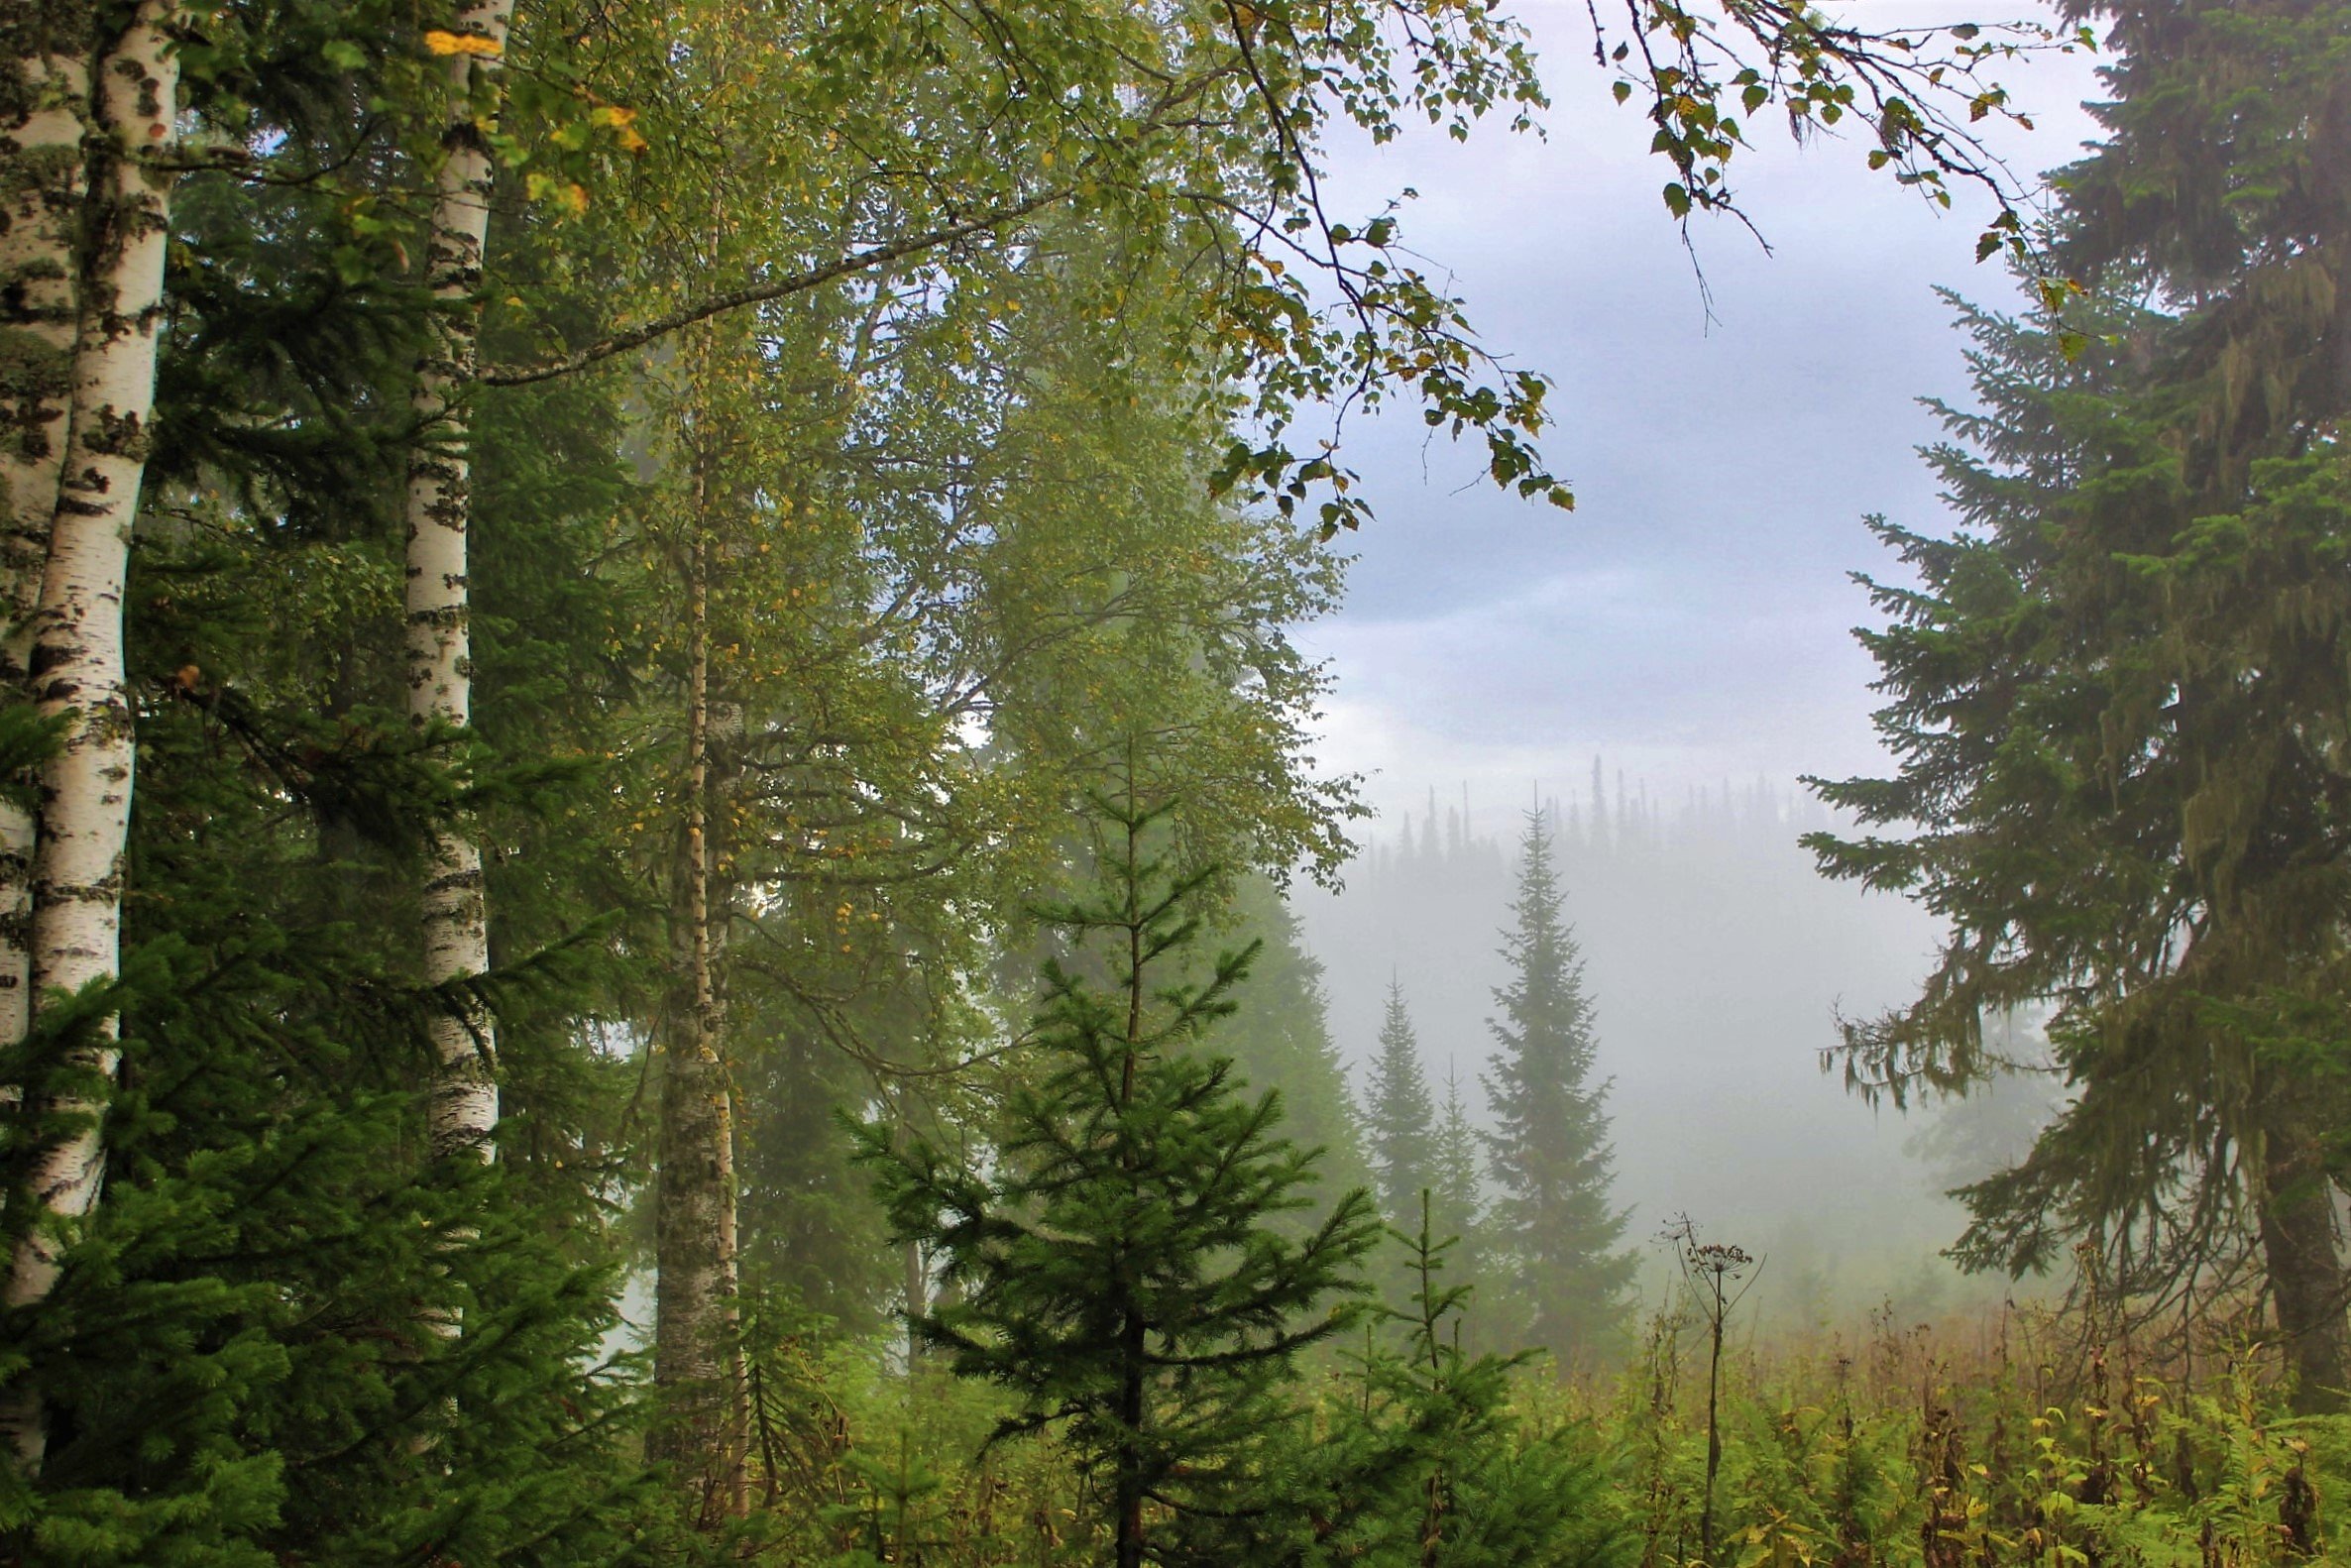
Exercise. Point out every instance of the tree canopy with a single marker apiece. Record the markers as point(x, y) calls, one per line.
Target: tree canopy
point(569, 571)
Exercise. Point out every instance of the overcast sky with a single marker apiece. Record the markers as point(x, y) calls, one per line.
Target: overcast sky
point(1691, 618)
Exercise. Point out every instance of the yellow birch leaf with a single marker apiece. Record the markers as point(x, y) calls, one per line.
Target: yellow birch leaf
point(622, 124)
point(441, 42)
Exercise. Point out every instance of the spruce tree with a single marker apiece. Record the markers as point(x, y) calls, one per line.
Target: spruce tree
point(1279, 1039)
point(1553, 1224)
point(1426, 1464)
point(1455, 1192)
point(2117, 692)
point(1402, 1121)
point(2118, 708)
point(1115, 1265)
point(2218, 181)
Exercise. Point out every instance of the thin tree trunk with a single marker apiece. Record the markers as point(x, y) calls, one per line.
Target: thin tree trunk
point(77, 665)
point(2301, 1248)
point(697, 1346)
point(1134, 1335)
point(915, 1284)
point(43, 182)
point(456, 920)
point(1132, 1411)
point(914, 1280)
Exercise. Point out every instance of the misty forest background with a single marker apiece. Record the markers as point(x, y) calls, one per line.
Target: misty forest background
point(669, 894)
point(1717, 959)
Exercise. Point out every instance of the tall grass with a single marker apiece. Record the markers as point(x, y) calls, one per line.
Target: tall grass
point(2023, 1437)
point(2013, 1438)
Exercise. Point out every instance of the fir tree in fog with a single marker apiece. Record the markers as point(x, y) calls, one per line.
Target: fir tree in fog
point(1555, 1222)
point(1456, 1192)
point(1721, 962)
point(1281, 1040)
point(1399, 1121)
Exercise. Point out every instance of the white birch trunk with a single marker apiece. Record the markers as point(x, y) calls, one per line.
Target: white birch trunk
point(456, 922)
point(43, 178)
point(78, 673)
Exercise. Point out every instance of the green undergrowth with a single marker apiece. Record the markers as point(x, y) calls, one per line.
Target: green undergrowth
point(1999, 1442)
point(2011, 1441)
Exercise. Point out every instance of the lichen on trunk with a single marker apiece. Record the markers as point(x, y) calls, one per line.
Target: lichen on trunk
point(2302, 1249)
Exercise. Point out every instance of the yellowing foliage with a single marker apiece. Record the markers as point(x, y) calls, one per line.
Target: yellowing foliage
point(622, 124)
point(441, 42)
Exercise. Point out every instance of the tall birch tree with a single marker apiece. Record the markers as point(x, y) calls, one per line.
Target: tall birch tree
point(455, 916)
point(698, 1354)
point(44, 110)
point(77, 669)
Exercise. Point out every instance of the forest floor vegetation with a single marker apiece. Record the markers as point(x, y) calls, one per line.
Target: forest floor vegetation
point(2019, 1436)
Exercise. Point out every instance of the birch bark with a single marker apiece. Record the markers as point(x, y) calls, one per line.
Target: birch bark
point(76, 673)
point(698, 1358)
point(455, 918)
point(45, 107)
